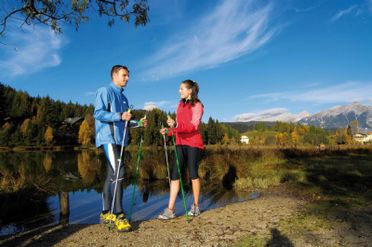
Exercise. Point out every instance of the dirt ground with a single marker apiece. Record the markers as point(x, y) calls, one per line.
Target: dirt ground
point(272, 220)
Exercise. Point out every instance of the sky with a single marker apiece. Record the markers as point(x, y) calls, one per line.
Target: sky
point(250, 58)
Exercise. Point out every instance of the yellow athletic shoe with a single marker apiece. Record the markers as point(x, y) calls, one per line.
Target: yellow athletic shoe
point(122, 224)
point(104, 218)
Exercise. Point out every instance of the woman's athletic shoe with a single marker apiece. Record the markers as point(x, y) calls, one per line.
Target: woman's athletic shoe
point(167, 215)
point(194, 211)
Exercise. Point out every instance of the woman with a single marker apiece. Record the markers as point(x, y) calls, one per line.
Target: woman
point(189, 145)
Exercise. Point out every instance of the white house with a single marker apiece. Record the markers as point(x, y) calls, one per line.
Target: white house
point(244, 139)
point(363, 138)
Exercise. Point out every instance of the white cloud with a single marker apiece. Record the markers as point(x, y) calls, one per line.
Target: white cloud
point(31, 49)
point(344, 12)
point(271, 115)
point(148, 106)
point(232, 29)
point(355, 10)
point(343, 93)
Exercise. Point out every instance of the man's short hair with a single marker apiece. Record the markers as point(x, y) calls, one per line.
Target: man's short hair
point(116, 68)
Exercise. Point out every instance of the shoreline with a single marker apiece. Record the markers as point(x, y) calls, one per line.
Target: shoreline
point(208, 147)
point(205, 229)
point(281, 217)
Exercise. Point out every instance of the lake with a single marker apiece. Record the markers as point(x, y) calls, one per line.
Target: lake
point(45, 188)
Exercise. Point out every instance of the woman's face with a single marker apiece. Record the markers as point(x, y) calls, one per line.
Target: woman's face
point(185, 92)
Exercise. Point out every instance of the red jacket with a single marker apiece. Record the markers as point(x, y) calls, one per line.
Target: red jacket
point(188, 119)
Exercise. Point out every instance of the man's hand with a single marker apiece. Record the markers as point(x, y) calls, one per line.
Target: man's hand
point(126, 116)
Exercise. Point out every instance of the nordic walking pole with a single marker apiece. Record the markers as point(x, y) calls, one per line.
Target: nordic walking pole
point(118, 169)
point(139, 155)
point(166, 156)
point(179, 175)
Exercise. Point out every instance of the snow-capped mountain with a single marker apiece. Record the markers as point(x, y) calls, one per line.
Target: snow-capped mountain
point(342, 116)
point(271, 115)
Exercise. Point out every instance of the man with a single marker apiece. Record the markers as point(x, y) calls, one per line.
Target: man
point(111, 113)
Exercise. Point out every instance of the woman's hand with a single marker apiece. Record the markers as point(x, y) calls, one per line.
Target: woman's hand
point(163, 131)
point(170, 122)
point(144, 121)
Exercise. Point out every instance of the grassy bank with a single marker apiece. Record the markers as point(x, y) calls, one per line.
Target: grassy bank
point(338, 189)
point(242, 168)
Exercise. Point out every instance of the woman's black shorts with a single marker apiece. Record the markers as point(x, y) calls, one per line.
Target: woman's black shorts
point(189, 156)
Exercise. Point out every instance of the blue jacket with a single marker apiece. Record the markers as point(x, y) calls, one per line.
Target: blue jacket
point(110, 104)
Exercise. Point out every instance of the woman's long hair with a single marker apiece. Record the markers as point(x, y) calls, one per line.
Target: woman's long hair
point(194, 86)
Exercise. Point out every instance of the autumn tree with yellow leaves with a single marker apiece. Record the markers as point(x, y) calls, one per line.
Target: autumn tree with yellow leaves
point(48, 135)
point(85, 133)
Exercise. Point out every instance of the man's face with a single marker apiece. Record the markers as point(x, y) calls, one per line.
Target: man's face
point(121, 78)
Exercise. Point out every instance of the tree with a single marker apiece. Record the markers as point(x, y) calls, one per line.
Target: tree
point(20, 105)
point(53, 12)
point(295, 137)
point(33, 132)
point(219, 132)
point(48, 135)
point(315, 136)
point(282, 127)
point(225, 139)
point(353, 128)
point(25, 127)
point(85, 133)
point(212, 132)
point(270, 140)
point(156, 118)
point(215, 131)
point(232, 134)
point(16, 136)
point(260, 126)
point(342, 136)
point(203, 128)
point(5, 133)
point(282, 139)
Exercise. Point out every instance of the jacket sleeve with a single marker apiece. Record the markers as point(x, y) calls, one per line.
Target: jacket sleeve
point(101, 111)
point(189, 127)
point(133, 124)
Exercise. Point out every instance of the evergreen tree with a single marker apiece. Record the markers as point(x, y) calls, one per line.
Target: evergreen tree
point(5, 134)
point(212, 131)
point(21, 105)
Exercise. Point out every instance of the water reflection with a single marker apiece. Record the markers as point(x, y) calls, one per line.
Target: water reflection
point(41, 188)
point(64, 208)
point(89, 167)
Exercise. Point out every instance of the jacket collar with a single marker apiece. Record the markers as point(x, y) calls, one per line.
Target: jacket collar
point(116, 88)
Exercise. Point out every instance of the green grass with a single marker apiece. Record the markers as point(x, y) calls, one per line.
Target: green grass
point(244, 184)
point(253, 241)
point(336, 185)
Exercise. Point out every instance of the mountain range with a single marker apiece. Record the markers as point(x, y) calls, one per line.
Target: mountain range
point(341, 117)
point(333, 118)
